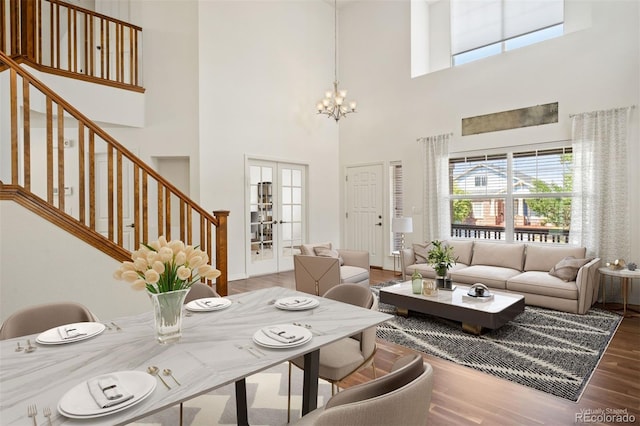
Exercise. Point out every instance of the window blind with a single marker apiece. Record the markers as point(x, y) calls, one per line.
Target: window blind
point(478, 23)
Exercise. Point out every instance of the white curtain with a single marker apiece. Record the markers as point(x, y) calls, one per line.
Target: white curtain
point(599, 209)
point(436, 211)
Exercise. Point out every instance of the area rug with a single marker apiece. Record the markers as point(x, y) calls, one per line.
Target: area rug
point(266, 399)
point(551, 351)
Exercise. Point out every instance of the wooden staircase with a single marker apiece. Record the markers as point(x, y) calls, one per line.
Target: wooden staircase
point(41, 124)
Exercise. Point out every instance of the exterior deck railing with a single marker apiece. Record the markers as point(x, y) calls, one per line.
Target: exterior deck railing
point(526, 234)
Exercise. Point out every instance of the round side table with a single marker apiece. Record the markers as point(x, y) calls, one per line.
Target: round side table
point(626, 278)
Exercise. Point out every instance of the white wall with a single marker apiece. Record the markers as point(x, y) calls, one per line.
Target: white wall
point(593, 69)
point(42, 263)
point(263, 67)
point(170, 76)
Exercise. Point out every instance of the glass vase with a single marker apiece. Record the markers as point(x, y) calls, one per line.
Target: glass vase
point(167, 310)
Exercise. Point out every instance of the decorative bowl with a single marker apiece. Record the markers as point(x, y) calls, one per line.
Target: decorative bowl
point(616, 264)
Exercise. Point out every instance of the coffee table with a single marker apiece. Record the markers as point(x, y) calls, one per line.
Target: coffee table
point(474, 314)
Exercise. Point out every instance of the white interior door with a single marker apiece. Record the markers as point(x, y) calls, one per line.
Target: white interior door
point(275, 213)
point(102, 206)
point(364, 220)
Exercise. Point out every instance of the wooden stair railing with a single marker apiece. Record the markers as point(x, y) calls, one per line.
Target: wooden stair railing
point(61, 158)
point(60, 38)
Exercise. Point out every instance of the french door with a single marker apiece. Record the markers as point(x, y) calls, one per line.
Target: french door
point(364, 221)
point(275, 215)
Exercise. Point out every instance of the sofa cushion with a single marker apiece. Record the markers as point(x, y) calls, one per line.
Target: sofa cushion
point(353, 274)
point(544, 257)
point(421, 252)
point(327, 252)
point(491, 276)
point(496, 254)
point(567, 269)
point(462, 250)
point(539, 282)
point(307, 249)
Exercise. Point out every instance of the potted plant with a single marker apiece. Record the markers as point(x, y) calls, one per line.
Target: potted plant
point(440, 257)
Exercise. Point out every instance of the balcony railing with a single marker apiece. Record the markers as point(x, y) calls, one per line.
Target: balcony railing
point(526, 233)
point(65, 39)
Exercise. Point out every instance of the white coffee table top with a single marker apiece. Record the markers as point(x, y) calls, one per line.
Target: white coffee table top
point(498, 303)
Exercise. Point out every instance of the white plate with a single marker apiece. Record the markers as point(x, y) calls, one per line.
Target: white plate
point(78, 403)
point(214, 304)
point(52, 336)
point(263, 340)
point(299, 303)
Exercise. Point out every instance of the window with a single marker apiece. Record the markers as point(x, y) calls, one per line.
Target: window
point(481, 181)
point(536, 184)
point(396, 196)
point(488, 27)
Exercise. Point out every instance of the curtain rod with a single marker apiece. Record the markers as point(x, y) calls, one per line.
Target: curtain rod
point(509, 147)
point(434, 136)
point(603, 110)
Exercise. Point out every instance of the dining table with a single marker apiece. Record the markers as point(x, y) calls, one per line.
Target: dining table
point(216, 348)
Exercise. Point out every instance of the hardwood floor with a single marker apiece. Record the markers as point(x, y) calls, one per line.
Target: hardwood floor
point(463, 396)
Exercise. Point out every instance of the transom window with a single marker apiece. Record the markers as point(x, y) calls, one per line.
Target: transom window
point(526, 196)
point(482, 28)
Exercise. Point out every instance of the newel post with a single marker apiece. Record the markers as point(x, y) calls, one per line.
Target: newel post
point(221, 251)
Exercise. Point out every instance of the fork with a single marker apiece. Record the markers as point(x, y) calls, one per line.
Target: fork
point(310, 328)
point(47, 413)
point(32, 411)
point(248, 349)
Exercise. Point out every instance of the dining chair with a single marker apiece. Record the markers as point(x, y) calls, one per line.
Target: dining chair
point(316, 274)
point(200, 291)
point(346, 356)
point(39, 318)
point(402, 397)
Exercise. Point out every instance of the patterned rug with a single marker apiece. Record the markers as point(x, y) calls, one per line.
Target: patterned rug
point(551, 351)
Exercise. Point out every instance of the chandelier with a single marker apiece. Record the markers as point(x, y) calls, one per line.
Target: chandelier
point(335, 104)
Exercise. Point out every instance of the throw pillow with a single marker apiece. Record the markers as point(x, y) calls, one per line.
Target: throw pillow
point(421, 251)
point(307, 249)
point(567, 268)
point(327, 252)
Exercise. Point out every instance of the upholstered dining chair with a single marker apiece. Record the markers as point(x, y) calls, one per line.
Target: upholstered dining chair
point(39, 318)
point(344, 357)
point(315, 274)
point(200, 291)
point(401, 397)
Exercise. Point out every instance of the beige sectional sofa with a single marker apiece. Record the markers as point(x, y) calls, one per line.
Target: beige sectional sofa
point(534, 270)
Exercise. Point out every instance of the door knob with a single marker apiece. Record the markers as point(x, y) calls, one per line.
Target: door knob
point(133, 225)
point(379, 224)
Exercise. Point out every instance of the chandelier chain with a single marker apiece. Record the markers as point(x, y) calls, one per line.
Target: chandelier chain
point(335, 104)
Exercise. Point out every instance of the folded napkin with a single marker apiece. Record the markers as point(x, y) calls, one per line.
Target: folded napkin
point(281, 335)
point(69, 332)
point(296, 302)
point(107, 392)
point(206, 304)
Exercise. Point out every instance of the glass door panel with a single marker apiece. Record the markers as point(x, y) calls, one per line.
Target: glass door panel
point(276, 215)
point(261, 212)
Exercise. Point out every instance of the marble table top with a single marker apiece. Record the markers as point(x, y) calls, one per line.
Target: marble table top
point(622, 273)
point(215, 350)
